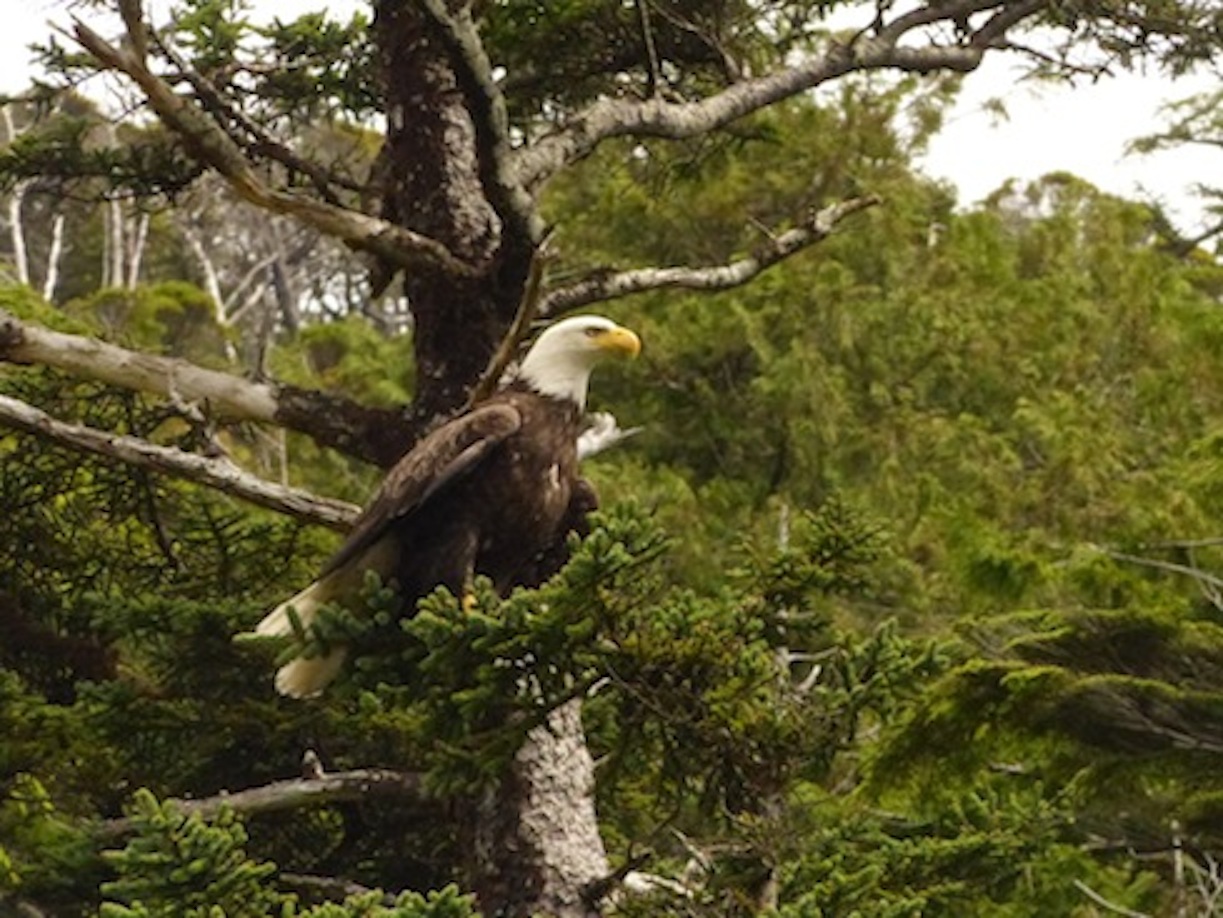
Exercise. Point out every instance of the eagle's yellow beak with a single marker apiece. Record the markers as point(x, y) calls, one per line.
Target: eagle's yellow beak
point(619, 341)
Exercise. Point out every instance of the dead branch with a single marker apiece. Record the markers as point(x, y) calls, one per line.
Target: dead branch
point(375, 435)
point(528, 308)
point(609, 285)
point(224, 113)
point(1106, 904)
point(218, 473)
point(227, 396)
point(365, 784)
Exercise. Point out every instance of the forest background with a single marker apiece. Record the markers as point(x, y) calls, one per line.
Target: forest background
point(907, 596)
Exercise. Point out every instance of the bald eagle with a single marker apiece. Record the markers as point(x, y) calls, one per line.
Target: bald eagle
point(493, 492)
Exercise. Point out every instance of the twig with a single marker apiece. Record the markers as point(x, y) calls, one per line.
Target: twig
point(654, 86)
point(528, 308)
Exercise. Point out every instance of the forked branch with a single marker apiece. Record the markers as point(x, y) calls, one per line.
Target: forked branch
point(375, 435)
point(875, 48)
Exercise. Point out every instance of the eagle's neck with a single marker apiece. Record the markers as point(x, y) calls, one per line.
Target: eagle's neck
point(561, 375)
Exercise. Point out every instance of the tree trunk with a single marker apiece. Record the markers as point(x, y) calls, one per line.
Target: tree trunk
point(433, 184)
point(536, 844)
point(53, 257)
point(21, 261)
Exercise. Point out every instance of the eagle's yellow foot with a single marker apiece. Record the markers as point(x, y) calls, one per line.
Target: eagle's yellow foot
point(468, 601)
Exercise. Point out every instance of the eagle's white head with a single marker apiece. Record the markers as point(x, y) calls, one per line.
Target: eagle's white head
point(561, 359)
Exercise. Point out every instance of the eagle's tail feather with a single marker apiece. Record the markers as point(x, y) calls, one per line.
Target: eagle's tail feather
point(306, 677)
point(303, 677)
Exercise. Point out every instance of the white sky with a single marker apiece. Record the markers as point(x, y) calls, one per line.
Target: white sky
point(1083, 130)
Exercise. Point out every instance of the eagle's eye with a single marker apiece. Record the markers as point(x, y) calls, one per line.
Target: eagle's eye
point(592, 332)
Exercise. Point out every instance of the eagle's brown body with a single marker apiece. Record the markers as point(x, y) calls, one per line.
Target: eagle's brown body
point(490, 493)
point(494, 492)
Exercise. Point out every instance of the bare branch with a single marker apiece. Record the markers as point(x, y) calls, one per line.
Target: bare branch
point(657, 117)
point(227, 396)
point(218, 473)
point(528, 308)
point(1106, 904)
point(1001, 22)
point(1210, 585)
point(605, 285)
point(222, 111)
point(377, 435)
point(340, 787)
point(211, 145)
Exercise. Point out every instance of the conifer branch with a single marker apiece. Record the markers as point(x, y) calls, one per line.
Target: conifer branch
point(364, 784)
point(609, 285)
point(218, 473)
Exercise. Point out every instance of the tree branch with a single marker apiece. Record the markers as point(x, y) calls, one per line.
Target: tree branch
point(604, 285)
point(364, 784)
point(328, 888)
point(376, 435)
point(657, 117)
point(209, 144)
point(220, 474)
point(1106, 904)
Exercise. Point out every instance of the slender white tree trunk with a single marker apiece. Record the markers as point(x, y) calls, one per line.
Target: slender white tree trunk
point(21, 261)
point(113, 248)
point(136, 256)
point(212, 280)
point(53, 256)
